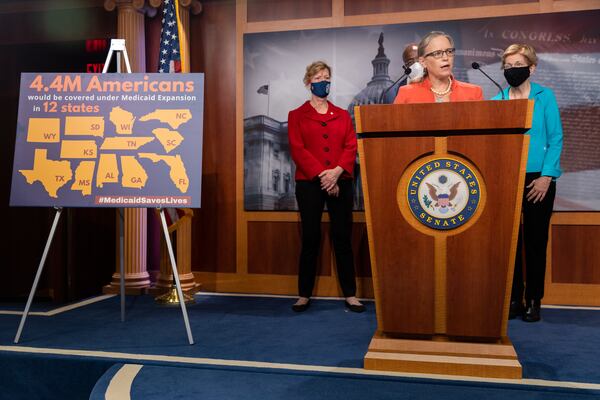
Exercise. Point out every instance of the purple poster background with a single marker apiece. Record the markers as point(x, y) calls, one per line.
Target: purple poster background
point(150, 124)
point(567, 44)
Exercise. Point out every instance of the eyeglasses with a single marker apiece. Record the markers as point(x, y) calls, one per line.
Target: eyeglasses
point(515, 65)
point(439, 53)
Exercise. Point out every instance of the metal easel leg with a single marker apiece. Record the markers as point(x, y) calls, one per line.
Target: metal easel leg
point(37, 275)
point(176, 276)
point(118, 46)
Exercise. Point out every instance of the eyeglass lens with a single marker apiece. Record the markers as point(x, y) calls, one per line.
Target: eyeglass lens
point(439, 53)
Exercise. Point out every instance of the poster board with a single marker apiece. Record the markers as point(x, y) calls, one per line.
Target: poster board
point(109, 140)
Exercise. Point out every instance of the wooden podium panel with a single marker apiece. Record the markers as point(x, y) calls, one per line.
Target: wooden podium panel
point(475, 299)
point(443, 185)
point(409, 261)
point(445, 119)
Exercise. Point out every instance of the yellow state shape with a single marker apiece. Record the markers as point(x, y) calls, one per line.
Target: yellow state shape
point(108, 171)
point(169, 139)
point(123, 120)
point(43, 130)
point(177, 171)
point(134, 175)
point(78, 149)
point(123, 143)
point(172, 117)
point(92, 126)
point(52, 174)
point(84, 174)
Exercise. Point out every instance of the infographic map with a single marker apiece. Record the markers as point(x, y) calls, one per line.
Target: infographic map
point(109, 140)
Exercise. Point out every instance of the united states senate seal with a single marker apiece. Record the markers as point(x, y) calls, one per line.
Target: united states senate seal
point(443, 193)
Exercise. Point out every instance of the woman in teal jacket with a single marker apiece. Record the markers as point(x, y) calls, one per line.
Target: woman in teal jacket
point(519, 61)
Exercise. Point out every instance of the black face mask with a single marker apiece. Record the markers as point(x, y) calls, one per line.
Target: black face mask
point(516, 76)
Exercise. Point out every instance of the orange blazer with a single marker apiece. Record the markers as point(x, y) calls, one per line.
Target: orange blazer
point(420, 92)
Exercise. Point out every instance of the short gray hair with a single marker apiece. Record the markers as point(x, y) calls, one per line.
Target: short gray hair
point(428, 38)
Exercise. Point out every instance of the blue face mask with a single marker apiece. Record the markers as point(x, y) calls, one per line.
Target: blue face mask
point(320, 89)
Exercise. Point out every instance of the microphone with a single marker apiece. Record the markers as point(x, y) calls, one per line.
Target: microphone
point(476, 65)
point(407, 72)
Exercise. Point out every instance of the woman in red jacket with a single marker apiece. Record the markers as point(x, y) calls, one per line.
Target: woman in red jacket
point(436, 54)
point(323, 147)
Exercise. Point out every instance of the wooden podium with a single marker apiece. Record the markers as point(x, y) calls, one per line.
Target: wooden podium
point(443, 185)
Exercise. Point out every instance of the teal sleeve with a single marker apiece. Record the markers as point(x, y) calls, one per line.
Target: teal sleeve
point(554, 136)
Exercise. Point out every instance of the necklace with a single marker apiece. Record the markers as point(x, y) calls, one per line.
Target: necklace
point(444, 92)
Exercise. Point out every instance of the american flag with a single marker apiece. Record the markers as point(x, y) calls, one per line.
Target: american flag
point(170, 52)
point(170, 61)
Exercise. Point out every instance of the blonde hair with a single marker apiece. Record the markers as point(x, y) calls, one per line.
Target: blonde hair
point(313, 69)
point(526, 50)
point(428, 38)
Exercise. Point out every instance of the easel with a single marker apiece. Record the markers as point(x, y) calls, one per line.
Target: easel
point(118, 46)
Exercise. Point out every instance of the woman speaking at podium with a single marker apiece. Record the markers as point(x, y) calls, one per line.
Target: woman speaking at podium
point(323, 147)
point(436, 55)
point(519, 61)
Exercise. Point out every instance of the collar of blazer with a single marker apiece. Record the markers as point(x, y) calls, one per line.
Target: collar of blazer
point(333, 112)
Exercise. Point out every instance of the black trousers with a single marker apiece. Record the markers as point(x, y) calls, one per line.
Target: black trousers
point(311, 200)
point(533, 241)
